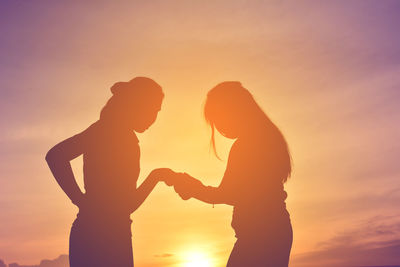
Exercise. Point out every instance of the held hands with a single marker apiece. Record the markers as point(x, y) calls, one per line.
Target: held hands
point(165, 175)
point(185, 185)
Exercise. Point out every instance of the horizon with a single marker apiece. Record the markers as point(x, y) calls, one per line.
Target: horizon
point(61, 261)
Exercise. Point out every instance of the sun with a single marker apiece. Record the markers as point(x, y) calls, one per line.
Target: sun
point(197, 259)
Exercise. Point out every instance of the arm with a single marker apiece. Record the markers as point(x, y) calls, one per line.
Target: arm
point(187, 187)
point(58, 158)
point(148, 185)
point(226, 193)
point(143, 191)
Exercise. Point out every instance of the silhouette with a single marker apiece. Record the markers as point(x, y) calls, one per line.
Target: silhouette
point(101, 233)
point(259, 164)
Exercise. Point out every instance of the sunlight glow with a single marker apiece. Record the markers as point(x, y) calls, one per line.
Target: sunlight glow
point(197, 259)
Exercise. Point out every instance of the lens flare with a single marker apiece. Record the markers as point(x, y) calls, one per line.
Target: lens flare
point(197, 259)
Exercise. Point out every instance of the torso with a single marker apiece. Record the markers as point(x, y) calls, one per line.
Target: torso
point(260, 192)
point(111, 168)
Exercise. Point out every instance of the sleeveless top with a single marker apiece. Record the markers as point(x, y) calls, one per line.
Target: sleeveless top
point(253, 180)
point(111, 169)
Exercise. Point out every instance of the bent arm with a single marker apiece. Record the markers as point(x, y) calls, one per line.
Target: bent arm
point(189, 187)
point(143, 191)
point(58, 158)
point(213, 195)
point(226, 192)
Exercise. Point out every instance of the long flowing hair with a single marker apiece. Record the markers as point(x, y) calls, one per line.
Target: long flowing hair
point(232, 97)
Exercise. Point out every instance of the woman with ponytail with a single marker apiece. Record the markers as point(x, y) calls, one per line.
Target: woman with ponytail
point(259, 164)
point(101, 233)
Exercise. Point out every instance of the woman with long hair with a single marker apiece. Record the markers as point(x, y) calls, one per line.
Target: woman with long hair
point(259, 164)
point(101, 234)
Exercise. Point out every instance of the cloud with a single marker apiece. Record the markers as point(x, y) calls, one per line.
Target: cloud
point(61, 261)
point(375, 241)
point(165, 255)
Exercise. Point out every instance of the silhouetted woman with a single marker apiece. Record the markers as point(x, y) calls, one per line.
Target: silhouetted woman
point(101, 233)
point(259, 164)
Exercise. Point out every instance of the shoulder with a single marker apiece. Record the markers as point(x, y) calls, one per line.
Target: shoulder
point(90, 132)
point(237, 148)
point(251, 152)
point(250, 145)
point(91, 136)
point(240, 152)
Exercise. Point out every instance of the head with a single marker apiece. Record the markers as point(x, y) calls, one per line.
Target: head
point(134, 105)
point(232, 110)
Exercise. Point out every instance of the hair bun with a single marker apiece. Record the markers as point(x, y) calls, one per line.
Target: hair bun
point(118, 88)
point(137, 85)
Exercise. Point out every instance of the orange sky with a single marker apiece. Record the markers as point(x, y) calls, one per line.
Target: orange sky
point(326, 73)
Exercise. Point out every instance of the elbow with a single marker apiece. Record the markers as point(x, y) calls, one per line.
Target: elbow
point(50, 156)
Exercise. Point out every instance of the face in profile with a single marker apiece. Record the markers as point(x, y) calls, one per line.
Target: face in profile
point(145, 115)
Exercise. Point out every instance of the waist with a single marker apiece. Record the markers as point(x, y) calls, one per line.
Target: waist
point(100, 205)
point(251, 221)
point(102, 224)
point(105, 215)
point(260, 213)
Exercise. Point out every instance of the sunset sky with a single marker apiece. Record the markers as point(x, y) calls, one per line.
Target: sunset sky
point(326, 72)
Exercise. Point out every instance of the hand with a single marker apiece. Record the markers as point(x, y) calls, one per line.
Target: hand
point(166, 175)
point(181, 191)
point(186, 186)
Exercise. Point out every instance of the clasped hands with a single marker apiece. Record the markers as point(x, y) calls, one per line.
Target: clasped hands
point(185, 185)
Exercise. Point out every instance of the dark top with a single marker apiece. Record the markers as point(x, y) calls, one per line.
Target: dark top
point(253, 181)
point(111, 168)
